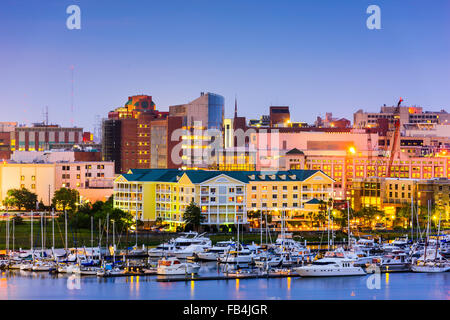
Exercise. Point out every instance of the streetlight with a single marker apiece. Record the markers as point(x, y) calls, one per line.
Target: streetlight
point(352, 150)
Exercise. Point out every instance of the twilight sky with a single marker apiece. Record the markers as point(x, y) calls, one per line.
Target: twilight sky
point(315, 56)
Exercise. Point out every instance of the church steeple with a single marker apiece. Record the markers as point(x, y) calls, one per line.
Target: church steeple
point(235, 107)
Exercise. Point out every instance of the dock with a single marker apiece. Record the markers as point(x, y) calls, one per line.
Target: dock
point(255, 276)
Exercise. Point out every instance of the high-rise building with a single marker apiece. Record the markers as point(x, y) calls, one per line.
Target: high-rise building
point(202, 119)
point(137, 136)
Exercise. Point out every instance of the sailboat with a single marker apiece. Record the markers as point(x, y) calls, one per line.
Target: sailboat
point(431, 262)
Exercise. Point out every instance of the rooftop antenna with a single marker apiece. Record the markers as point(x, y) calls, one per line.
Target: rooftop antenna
point(72, 67)
point(46, 115)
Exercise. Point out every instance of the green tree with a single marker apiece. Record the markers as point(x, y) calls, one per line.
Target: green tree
point(404, 214)
point(65, 198)
point(18, 220)
point(20, 198)
point(370, 213)
point(192, 216)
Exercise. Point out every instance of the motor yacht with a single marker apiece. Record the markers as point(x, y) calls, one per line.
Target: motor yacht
point(163, 250)
point(173, 266)
point(334, 263)
point(395, 261)
point(244, 256)
point(212, 253)
point(189, 251)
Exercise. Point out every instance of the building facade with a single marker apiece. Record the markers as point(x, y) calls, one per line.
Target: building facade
point(223, 196)
point(93, 180)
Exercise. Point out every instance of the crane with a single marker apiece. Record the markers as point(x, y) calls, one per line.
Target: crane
point(395, 137)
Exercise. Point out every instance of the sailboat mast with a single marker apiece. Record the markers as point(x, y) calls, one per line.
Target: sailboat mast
point(237, 217)
point(65, 229)
point(92, 235)
point(42, 236)
point(412, 216)
point(7, 234)
point(114, 243)
point(437, 240)
point(53, 228)
point(32, 251)
point(348, 222)
point(328, 229)
point(13, 230)
point(426, 237)
point(260, 228)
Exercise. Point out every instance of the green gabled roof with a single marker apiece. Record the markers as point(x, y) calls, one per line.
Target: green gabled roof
point(313, 201)
point(199, 176)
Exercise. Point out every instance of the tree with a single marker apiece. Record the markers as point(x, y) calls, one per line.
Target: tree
point(369, 213)
point(405, 214)
point(65, 198)
point(20, 198)
point(18, 220)
point(192, 216)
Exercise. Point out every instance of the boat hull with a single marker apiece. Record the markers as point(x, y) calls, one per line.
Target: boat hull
point(324, 272)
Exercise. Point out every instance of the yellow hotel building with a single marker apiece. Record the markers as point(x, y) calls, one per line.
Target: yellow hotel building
point(223, 196)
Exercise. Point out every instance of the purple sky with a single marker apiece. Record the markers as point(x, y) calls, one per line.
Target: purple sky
point(315, 56)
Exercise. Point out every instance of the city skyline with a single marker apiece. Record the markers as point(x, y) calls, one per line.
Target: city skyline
point(175, 50)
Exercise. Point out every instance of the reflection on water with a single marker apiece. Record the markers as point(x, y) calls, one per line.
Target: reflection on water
point(19, 284)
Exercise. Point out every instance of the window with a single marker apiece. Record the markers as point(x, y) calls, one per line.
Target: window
point(78, 176)
point(33, 178)
point(33, 186)
point(22, 178)
point(274, 204)
point(274, 188)
point(253, 188)
point(78, 168)
point(274, 196)
point(22, 186)
point(284, 187)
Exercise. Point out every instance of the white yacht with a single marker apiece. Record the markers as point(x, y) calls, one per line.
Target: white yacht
point(400, 242)
point(333, 264)
point(212, 253)
point(162, 250)
point(268, 261)
point(239, 257)
point(42, 266)
point(173, 266)
point(185, 240)
point(189, 251)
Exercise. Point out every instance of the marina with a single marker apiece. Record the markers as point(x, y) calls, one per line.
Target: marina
point(287, 263)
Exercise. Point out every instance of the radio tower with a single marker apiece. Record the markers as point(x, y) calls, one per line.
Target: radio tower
point(72, 67)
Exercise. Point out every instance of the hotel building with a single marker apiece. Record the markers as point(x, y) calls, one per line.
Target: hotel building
point(223, 196)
